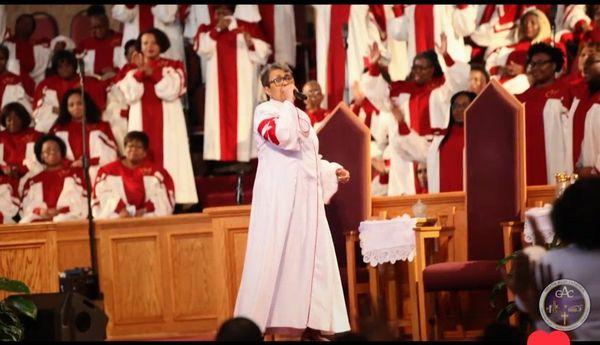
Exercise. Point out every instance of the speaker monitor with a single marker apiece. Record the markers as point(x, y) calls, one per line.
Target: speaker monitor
point(66, 316)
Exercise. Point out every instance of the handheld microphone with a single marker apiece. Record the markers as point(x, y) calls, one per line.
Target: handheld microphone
point(299, 95)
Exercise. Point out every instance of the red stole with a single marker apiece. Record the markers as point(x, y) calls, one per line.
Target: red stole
point(146, 18)
point(336, 55)
point(95, 88)
point(451, 160)
point(73, 128)
point(104, 50)
point(424, 24)
point(267, 24)
point(317, 115)
point(418, 103)
point(53, 182)
point(579, 123)
point(24, 53)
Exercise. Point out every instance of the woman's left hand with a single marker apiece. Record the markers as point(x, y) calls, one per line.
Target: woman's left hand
point(343, 175)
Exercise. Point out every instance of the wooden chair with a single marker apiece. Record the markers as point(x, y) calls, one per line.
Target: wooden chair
point(46, 27)
point(80, 27)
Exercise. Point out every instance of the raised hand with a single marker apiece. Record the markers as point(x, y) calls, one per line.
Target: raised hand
point(343, 175)
point(442, 48)
point(374, 54)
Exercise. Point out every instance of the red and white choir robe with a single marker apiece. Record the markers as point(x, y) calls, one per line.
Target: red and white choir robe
point(61, 189)
point(570, 20)
point(338, 68)
point(9, 202)
point(117, 108)
point(100, 54)
point(101, 145)
point(503, 56)
point(291, 276)
point(317, 116)
point(28, 57)
point(278, 24)
point(421, 26)
point(494, 26)
point(231, 84)
point(17, 149)
point(193, 17)
point(119, 187)
point(139, 18)
point(585, 126)
point(12, 90)
point(547, 139)
point(156, 109)
point(49, 94)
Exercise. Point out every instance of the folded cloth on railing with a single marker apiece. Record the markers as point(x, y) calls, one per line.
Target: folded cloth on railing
point(387, 240)
point(544, 223)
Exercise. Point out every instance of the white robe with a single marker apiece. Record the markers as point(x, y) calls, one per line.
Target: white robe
point(291, 277)
point(9, 204)
point(248, 63)
point(16, 93)
point(590, 146)
point(115, 104)
point(41, 55)
point(165, 19)
point(198, 15)
point(176, 149)
point(284, 26)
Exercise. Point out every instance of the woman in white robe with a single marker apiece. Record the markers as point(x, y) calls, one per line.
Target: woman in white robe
point(291, 278)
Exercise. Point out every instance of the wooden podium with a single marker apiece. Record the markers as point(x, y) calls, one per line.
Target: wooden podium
point(344, 139)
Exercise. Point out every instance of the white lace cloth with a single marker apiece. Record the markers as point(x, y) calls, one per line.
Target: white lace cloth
point(542, 217)
point(387, 240)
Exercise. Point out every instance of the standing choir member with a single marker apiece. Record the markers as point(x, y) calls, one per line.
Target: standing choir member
point(278, 24)
point(586, 122)
point(153, 91)
point(56, 193)
point(234, 49)
point(291, 278)
point(547, 104)
point(133, 186)
point(11, 85)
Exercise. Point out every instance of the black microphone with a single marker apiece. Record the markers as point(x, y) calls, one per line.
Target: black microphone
point(299, 95)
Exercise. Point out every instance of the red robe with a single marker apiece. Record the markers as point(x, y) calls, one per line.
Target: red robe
point(95, 88)
point(14, 148)
point(24, 53)
point(317, 115)
point(418, 103)
point(103, 51)
point(579, 117)
point(451, 160)
point(8, 78)
point(74, 144)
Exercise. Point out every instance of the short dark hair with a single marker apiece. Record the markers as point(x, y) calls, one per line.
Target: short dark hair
point(19, 110)
point(92, 113)
point(63, 55)
point(266, 71)
point(161, 39)
point(49, 137)
point(96, 10)
point(451, 123)
point(4, 51)
point(128, 44)
point(480, 68)
point(575, 215)
point(239, 329)
point(137, 136)
point(431, 55)
point(555, 54)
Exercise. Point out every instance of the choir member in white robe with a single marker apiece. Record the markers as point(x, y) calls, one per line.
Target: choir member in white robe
point(133, 186)
point(56, 193)
point(291, 277)
point(101, 146)
point(589, 160)
point(547, 104)
point(103, 54)
point(9, 202)
point(233, 48)
point(153, 91)
point(49, 93)
point(140, 18)
point(345, 33)
point(17, 156)
point(421, 26)
point(278, 24)
point(28, 56)
point(195, 16)
point(11, 85)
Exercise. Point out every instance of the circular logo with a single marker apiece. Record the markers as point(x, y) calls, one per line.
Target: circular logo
point(564, 305)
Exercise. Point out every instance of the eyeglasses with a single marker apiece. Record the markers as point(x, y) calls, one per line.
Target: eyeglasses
point(288, 78)
point(533, 64)
point(313, 92)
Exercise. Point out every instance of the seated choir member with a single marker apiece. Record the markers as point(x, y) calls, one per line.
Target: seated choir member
point(17, 141)
point(314, 98)
point(153, 90)
point(101, 146)
point(56, 193)
point(478, 78)
point(12, 88)
point(9, 202)
point(133, 186)
point(51, 90)
point(547, 104)
point(586, 122)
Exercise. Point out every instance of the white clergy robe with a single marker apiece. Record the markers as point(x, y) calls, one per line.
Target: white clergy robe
point(9, 203)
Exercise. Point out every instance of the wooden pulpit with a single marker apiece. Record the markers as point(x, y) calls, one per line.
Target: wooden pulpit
point(344, 139)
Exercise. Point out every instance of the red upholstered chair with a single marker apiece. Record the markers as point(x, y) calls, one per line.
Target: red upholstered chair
point(495, 193)
point(46, 27)
point(80, 27)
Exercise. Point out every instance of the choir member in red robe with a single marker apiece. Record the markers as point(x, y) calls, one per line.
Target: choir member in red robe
point(101, 145)
point(11, 85)
point(103, 47)
point(547, 104)
point(9, 202)
point(133, 186)
point(576, 78)
point(51, 90)
point(478, 78)
point(153, 91)
point(56, 193)
point(314, 98)
point(17, 141)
